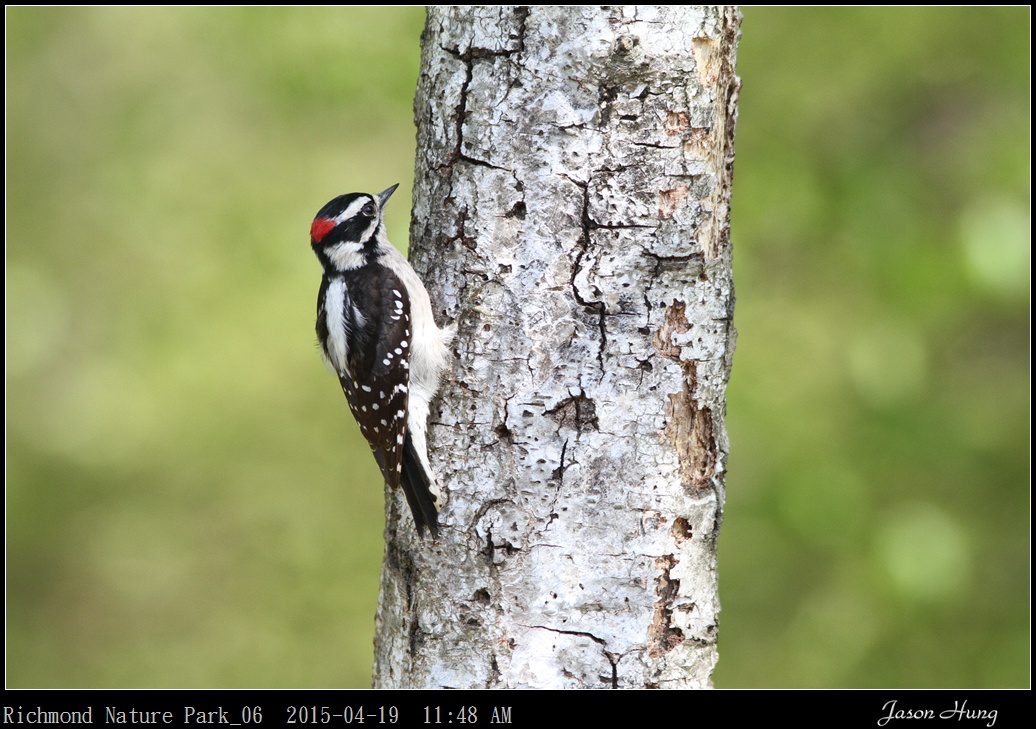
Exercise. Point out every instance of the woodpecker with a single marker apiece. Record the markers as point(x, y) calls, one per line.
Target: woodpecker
point(378, 335)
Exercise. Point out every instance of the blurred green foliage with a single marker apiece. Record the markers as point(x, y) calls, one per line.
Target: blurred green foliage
point(189, 503)
point(876, 529)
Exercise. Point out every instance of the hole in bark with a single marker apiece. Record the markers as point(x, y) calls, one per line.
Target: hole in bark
point(682, 530)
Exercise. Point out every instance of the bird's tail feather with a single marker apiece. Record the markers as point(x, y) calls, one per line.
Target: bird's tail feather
point(418, 490)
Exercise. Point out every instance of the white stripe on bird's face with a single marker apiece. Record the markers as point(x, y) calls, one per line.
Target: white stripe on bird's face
point(346, 256)
point(354, 209)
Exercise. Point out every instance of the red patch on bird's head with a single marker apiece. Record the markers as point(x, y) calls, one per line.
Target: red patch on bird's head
point(320, 228)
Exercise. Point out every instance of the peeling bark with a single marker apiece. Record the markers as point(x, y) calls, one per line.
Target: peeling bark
point(571, 214)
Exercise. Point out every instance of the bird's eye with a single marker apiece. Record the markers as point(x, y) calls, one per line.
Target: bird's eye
point(369, 210)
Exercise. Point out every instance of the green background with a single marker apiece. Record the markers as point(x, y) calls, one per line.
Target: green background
point(189, 503)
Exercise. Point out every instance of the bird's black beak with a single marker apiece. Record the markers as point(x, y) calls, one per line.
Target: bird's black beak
point(384, 196)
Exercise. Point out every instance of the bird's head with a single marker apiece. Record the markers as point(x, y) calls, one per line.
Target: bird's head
point(348, 231)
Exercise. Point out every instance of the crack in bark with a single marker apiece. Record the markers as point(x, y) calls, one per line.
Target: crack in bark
point(403, 563)
point(503, 431)
point(468, 58)
point(461, 237)
point(577, 411)
point(460, 111)
point(612, 660)
point(559, 475)
point(521, 13)
point(655, 145)
point(479, 162)
point(582, 246)
point(664, 264)
point(582, 633)
point(593, 225)
point(494, 671)
point(483, 509)
point(490, 551)
point(733, 90)
point(682, 259)
point(615, 669)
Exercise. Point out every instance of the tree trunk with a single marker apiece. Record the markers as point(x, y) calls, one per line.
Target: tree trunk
point(571, 214)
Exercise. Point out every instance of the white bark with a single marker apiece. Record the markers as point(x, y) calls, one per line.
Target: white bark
point(571, 214)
